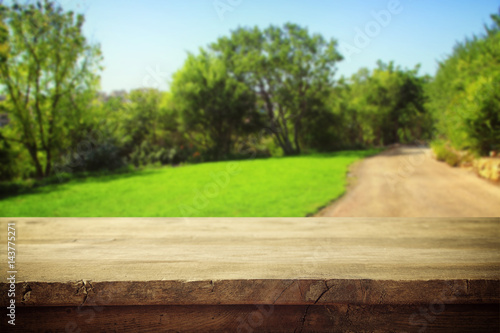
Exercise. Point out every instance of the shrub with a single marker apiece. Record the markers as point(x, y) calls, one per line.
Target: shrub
point(147, 154)
point(102, 155)
point(465, 94)
point(445, 153)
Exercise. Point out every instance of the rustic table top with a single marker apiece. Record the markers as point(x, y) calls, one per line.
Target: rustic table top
point(152, 261)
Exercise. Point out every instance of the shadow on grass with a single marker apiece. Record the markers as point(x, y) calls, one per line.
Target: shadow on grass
point(55, 183)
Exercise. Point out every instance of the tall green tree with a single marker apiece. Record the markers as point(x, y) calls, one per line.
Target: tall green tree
point(49, 76)
point(290, 71)
point(465, 94)
point(386, 105)
point(216, 108)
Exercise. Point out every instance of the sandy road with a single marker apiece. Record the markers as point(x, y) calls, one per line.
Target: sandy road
point(408, 182)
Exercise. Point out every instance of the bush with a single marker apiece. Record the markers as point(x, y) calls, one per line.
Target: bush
point(483, 125)
point(7, 161)
point(100, 156)
point(445, 153)
point(147, 154)
point(465, 94)
point(104, 157)
point(14, 161)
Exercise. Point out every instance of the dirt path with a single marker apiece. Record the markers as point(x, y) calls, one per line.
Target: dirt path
point(408, 182)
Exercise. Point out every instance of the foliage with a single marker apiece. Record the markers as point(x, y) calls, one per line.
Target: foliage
point(141, 117)
point(445, 153)
point(7, 160)
point(105, 155)
point(290, 71)
point(146, 154)
point(257, 92)
point(142, 125)
point(216, 109)
point(384, 106)
point(324, 130)
point(465, 94)
point(48, 76)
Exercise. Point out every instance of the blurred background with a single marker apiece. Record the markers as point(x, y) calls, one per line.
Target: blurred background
point(248, 108)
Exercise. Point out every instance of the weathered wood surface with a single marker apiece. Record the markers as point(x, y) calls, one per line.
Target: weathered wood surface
point(67, 262)
point(247, 319)
point(251, 275)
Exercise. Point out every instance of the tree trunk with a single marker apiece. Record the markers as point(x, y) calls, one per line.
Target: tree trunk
point(33, 153)
point(296, 138)
point(48, 165)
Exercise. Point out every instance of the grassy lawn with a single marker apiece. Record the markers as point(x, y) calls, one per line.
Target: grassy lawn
point(287, 186)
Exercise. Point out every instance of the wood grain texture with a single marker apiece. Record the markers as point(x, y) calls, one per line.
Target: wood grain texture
point(247, 319)
point(231, 292)
point(215, 261)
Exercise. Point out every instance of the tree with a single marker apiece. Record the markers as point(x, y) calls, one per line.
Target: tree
point(49, 78)
point(142, 115)
point(216, 109)
point(465, 94)
point(149, 127)
point(386, 105)
point(290, 70)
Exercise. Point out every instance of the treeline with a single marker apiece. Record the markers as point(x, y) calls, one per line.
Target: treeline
point(464, 97)
point(255, 92)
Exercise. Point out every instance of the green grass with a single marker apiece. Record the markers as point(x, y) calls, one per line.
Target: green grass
point(287, 186)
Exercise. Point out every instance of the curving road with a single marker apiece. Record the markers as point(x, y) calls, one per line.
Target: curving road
point(408, 182)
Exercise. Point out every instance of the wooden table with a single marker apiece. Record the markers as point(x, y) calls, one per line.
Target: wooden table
point(254, 274)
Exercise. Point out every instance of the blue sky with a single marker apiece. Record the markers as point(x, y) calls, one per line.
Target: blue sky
point(145, 42)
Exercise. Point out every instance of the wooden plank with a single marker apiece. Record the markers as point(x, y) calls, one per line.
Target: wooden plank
point(229, 292)
point(248, 318)
point(67, 262)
